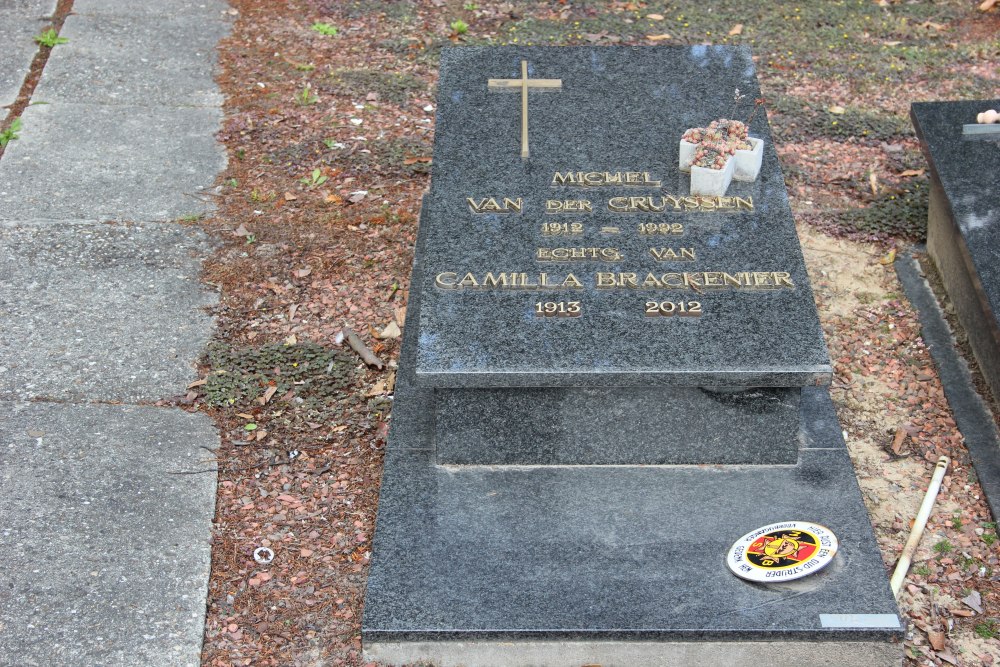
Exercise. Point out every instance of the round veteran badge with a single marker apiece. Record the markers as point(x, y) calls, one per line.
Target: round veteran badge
point(782, 552)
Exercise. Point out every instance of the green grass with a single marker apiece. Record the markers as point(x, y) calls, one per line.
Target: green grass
point(50, 38)
point(989, 629)
point(943, 547)
point(10, 133)
point(325, 29)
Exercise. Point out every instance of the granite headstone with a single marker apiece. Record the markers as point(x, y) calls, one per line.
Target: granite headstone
point(963, 226)
point(604, 383)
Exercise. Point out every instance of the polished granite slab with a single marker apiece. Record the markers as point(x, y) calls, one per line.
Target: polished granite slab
point(562, 565)
point(490, 271)
point(616, 426)
point(963, 230)
point(614, 553)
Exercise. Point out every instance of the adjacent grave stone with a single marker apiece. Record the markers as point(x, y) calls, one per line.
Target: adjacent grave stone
point(963, 225)
point(581, 331)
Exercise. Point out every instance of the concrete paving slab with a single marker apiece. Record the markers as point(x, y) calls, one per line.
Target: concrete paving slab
point(88, 161)
point(101, 312)
point(106, 554)
point(164, 61)
point(17, 50)
point(158, 8)
point(33, 8)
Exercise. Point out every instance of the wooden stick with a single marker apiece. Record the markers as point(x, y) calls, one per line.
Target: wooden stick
point(896, 583)
point(366, 354)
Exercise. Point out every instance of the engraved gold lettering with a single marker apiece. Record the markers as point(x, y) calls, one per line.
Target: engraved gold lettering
point(725, 202)
point(651, 281)
point(568, 206)
point(618, 204)
point(746, 203)
point(669, 254)
point(490, 205)
point(707, 203)
point(730, 280)
point(675, 201)
point(712, 279)
point(697, 281)
point(783, 278)
point(446, 280)
point(690, 202)
point(498, 281)
point(577, 254)
point(572, 281)
point(604, 178)
point(468, 280)
point(667, 277)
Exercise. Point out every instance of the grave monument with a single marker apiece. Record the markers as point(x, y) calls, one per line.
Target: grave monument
point(963, 224)
point(606, 383)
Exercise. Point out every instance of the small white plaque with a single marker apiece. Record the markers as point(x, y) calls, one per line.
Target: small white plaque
point(859, 621)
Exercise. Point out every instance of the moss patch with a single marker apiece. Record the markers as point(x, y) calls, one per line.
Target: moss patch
point(900, 213)
point(238, 377)
point(390, 86)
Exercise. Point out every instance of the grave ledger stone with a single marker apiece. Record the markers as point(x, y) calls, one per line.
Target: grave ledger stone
point(605, 382)
point(963, 224)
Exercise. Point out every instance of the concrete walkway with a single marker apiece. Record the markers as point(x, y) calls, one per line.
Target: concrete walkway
point(106, 553)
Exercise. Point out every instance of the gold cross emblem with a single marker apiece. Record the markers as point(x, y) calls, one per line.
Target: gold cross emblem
point(523, 84)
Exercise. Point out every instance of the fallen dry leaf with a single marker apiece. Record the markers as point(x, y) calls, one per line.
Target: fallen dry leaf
point(241, 231)
point(391, 330)
point(736, 29)
point(657, 38)
point(268, 394)
point(987, 5)
point(291, 340)
point(412, 159)
point(974, 601)
point(290, 197)
point(654, 17)
point(900, 437)
point(886, 260)
point(302, 273)
point(936, 638)
point(873, 182)
point(377, 389)
point(244, 415)
point(837, 110)
point(401, 315)
point(913, 172)
point(197, 383)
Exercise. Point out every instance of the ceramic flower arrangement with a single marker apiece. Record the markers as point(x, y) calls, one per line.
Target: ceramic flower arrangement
point(717, 154)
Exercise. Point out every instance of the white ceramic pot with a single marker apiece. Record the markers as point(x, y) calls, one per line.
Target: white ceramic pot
point(712, 182)
point(748, 162)
point(686, 155)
